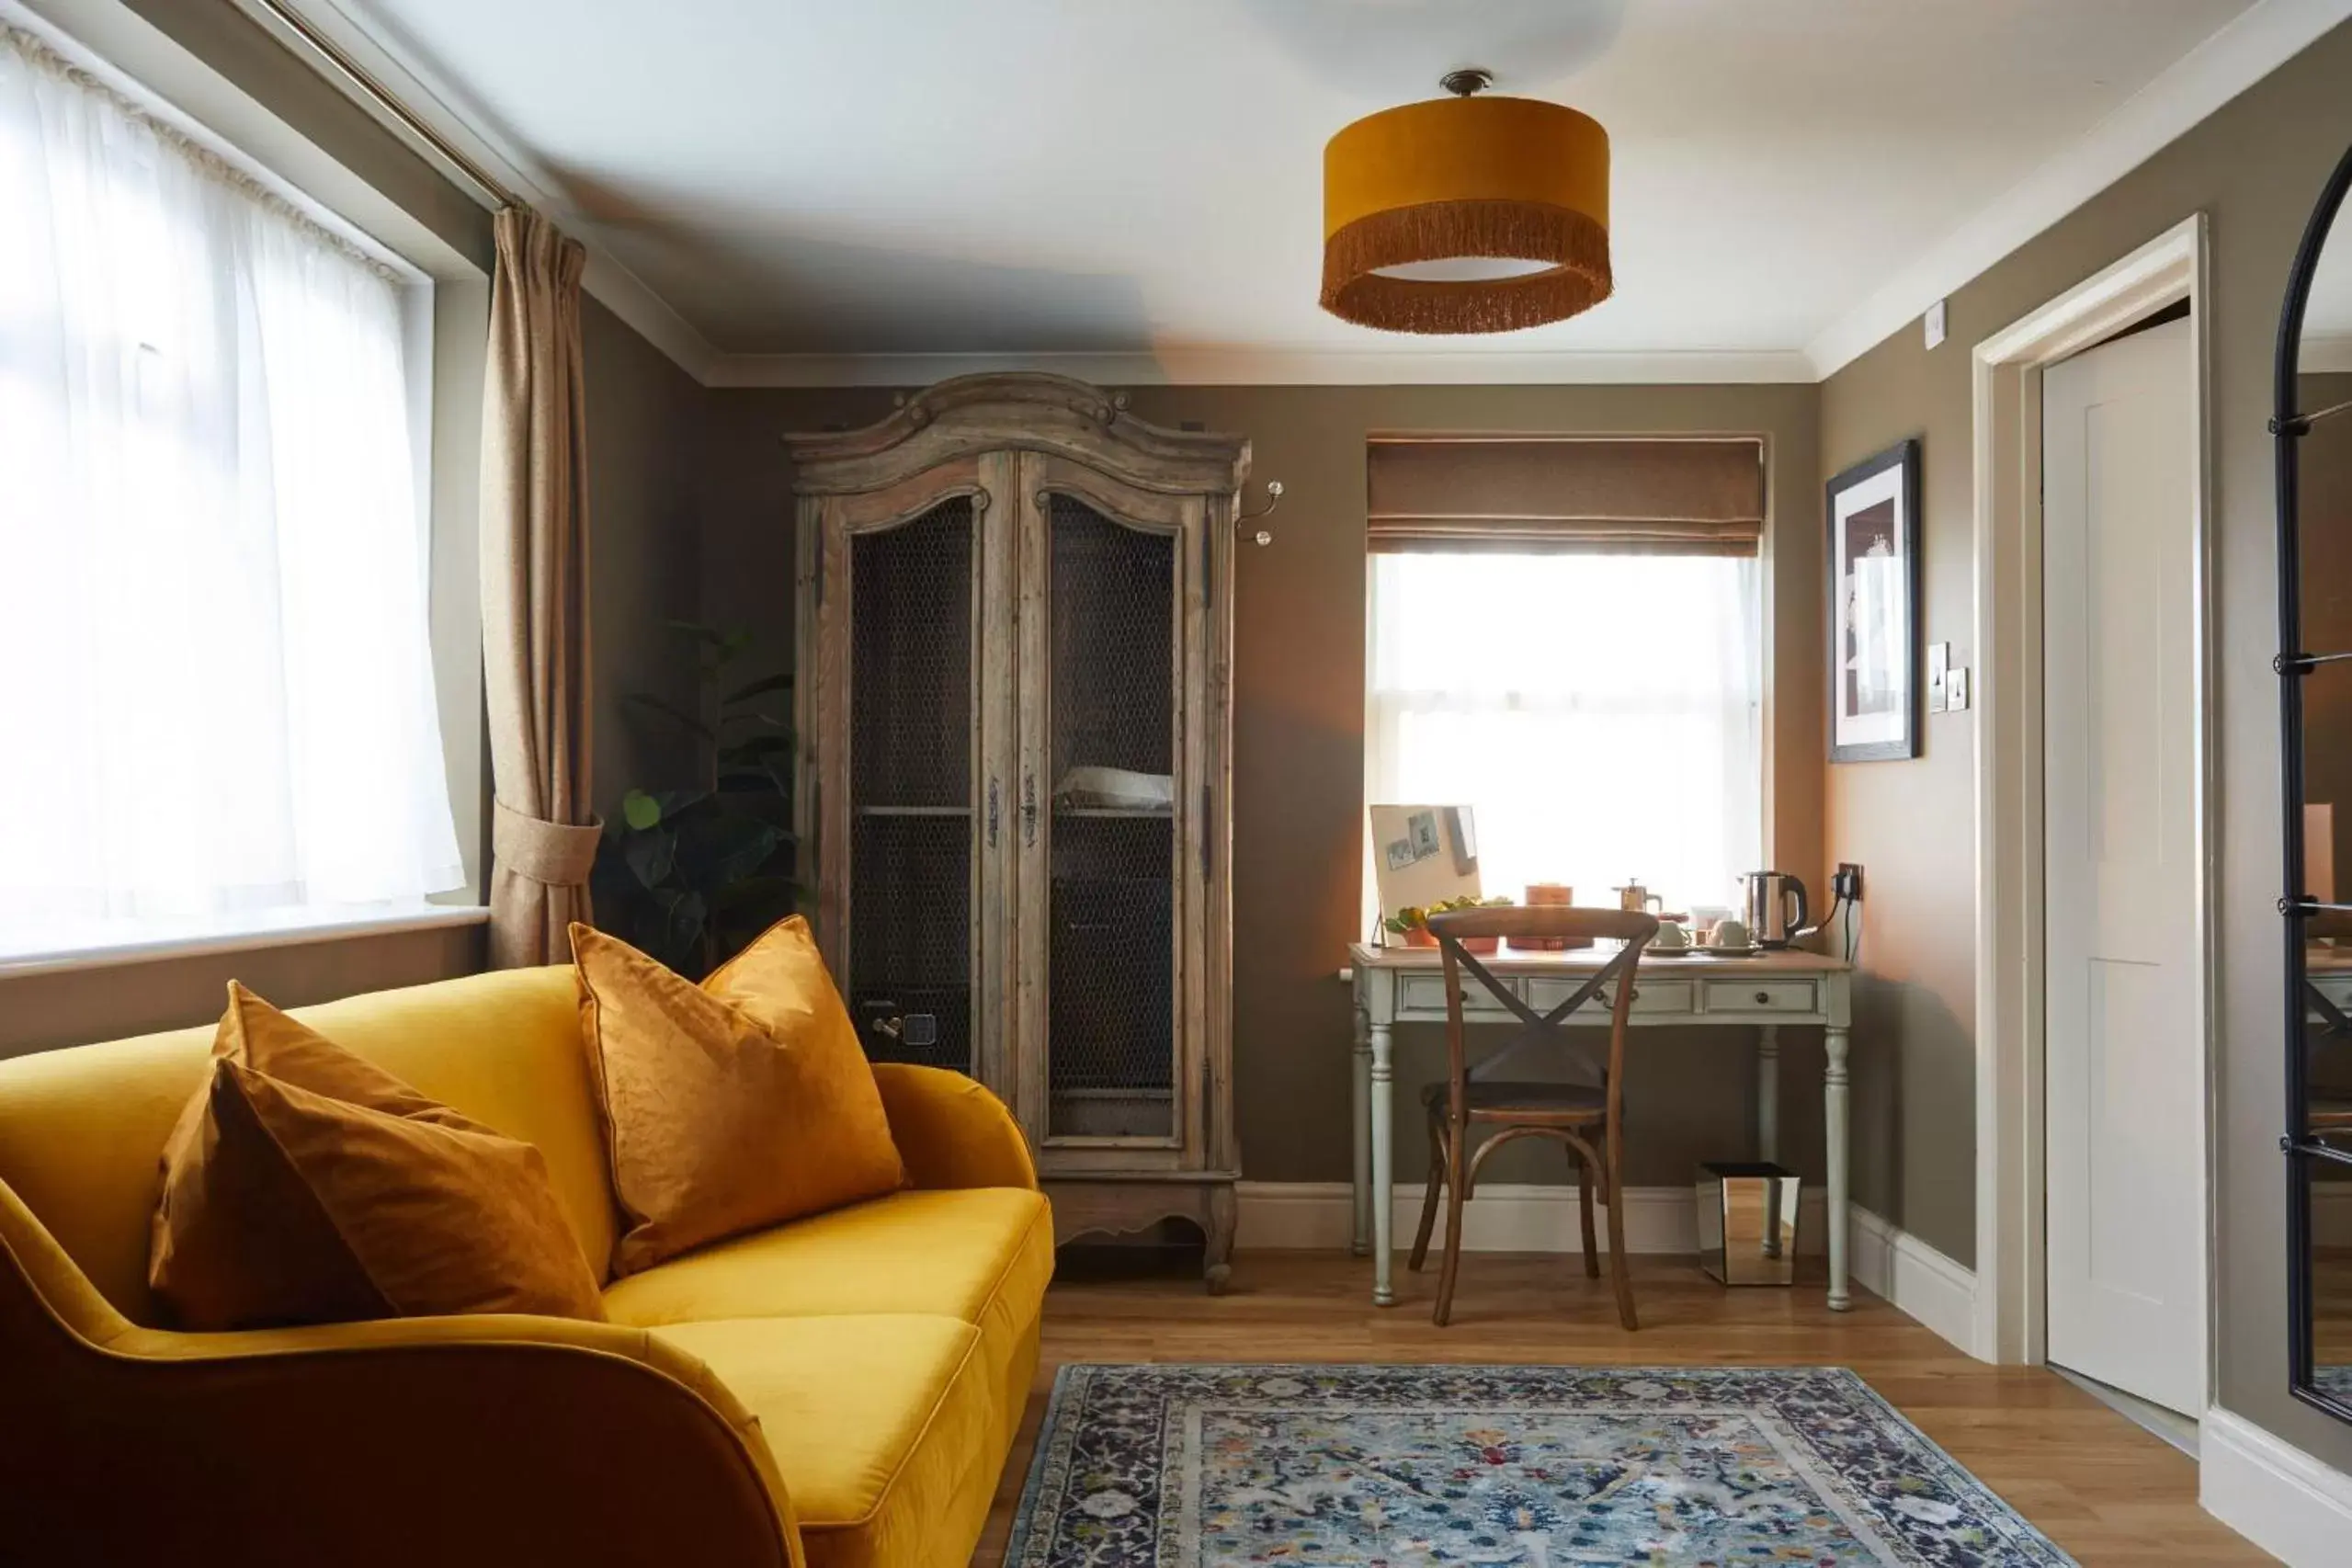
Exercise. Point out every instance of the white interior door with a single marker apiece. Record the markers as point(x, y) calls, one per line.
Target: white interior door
point(2125, 1031)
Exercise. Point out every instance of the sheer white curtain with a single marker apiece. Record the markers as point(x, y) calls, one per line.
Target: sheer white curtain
point(218, 691)
point(1601, 712)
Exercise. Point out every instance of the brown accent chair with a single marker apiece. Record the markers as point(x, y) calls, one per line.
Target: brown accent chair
point(1588, 1122)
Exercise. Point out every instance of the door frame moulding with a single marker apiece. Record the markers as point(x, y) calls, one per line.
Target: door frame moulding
point(2010, 1114)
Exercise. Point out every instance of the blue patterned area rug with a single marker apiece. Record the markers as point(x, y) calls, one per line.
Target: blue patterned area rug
point(1498, 1467)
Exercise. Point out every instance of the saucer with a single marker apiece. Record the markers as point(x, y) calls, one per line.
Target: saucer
point(1715, 952)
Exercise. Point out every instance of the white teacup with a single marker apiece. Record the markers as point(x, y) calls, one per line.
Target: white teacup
point(1731, 934)
point(1670, 936)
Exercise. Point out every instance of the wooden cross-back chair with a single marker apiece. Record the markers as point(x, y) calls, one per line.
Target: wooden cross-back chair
point(1587, 1122)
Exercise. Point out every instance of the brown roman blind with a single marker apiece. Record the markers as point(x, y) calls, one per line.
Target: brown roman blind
point(1531, 496)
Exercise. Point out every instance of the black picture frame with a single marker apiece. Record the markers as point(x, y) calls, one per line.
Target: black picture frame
point(1869, 724)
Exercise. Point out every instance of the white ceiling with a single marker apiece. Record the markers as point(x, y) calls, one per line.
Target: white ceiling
point(1040, 177)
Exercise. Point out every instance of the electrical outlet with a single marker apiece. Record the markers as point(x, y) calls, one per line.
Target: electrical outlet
point(1847, 883)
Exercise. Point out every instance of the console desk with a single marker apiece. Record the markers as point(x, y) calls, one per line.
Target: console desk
point(1408, 986)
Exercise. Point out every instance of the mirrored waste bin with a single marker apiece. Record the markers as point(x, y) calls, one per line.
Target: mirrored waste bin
point(1748, 1222)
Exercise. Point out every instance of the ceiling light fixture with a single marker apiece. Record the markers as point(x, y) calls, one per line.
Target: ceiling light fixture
point(1466, 214)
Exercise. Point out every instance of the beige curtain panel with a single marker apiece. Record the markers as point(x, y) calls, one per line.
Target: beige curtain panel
point(1532, 495)
point(535, 595)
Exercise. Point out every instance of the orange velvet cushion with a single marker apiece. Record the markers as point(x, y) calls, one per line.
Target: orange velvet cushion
point(303, 1185)
point(735, 1103)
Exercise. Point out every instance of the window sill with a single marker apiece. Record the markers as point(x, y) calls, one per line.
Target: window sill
point(148, 942)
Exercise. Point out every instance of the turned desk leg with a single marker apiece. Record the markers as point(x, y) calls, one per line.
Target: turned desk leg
point(1768, 1092)
point(1359, 1240)
point(1383, 1167)
point(1768, 1110)
point(1834, 1114)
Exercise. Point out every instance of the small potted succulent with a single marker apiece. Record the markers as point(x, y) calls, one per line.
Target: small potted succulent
point(1412, 923)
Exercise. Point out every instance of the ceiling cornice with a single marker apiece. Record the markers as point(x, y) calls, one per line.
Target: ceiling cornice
point(467, 126)
point(2255, 43)
point(1269, 367)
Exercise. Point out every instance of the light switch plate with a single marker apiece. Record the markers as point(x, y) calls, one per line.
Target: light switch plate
point(1956, 690)
point(1935, 324)
point(1939, 661)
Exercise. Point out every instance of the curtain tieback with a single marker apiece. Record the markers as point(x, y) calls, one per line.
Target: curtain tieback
point(558, 854)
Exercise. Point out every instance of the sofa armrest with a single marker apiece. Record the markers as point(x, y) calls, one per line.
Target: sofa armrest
point(461, 1441)
point(951, 1131)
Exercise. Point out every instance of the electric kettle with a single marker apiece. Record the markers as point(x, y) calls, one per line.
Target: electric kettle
point(1765, 897)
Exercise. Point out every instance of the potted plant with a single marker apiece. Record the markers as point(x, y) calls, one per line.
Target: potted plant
point(1412, 923)
point(690, 875)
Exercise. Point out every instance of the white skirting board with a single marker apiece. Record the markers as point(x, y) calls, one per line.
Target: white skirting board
point(2273, 1493)
point(1517, 1217)
point(1501, 1217)
point(1899, 1268)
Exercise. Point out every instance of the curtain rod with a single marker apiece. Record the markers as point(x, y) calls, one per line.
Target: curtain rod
point(384, 98)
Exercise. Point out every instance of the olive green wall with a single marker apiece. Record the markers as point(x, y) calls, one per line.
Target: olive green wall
point(645, 428)
point(2254, 168)
point(1298, 727)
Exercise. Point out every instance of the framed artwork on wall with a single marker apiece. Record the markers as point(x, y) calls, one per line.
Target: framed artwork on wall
point(1874, 607)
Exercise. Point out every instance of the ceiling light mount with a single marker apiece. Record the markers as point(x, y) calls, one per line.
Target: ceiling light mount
point(1466, 214)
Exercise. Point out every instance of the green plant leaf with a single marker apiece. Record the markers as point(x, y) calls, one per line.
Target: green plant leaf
point(641, 810)
point(754, 891)
point(725, 850)
point(682, 932)
point(756, 778)
point(678, 802)
point(761, 688)
point(651, 857)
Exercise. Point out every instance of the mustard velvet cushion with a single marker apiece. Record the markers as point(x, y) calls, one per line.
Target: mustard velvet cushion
point(974, 1254)
point(889, 1430)
point(732, 1105)
point(303, 1185)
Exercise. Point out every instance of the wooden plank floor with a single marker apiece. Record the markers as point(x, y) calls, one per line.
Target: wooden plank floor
point(2103, 1489)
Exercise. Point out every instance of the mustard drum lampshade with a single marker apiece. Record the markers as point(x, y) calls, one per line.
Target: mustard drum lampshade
point(1466, 214)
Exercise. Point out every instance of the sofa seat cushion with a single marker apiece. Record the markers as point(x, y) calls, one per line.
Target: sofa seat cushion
point(886, 1428)
point(976, 1254)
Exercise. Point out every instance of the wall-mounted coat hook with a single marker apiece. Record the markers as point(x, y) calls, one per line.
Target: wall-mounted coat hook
point(1273, 499)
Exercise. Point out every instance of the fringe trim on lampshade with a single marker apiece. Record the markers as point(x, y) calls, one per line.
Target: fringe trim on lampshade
point(1354, 291)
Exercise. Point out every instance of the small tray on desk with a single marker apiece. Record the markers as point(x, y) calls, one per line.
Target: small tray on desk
point(1749, 951)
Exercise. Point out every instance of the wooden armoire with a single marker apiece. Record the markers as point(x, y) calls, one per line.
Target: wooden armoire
point(1015, 617)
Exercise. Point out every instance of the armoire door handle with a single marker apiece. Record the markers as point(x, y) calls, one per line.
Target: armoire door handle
point(992, 811)
point(1028, 808)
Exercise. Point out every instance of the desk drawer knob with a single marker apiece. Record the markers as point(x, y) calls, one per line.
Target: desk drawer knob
point(1763, 998)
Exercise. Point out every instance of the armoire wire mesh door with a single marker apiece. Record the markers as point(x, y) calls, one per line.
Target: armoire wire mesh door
point(913, 657)
point(1104, 979)
point(1012, 598)
point(910, 791)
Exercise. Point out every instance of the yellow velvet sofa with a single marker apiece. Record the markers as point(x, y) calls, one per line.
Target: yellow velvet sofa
point(838, 1392)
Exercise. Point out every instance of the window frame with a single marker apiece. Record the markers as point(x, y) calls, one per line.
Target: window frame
point(444, 296)
point(1761, 588)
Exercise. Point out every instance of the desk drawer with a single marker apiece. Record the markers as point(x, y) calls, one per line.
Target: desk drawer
point(1649, 995)
point(1761, 996)
point(1426, 993)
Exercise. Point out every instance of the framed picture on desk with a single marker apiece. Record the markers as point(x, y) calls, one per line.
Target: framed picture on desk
point(1874, 607)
